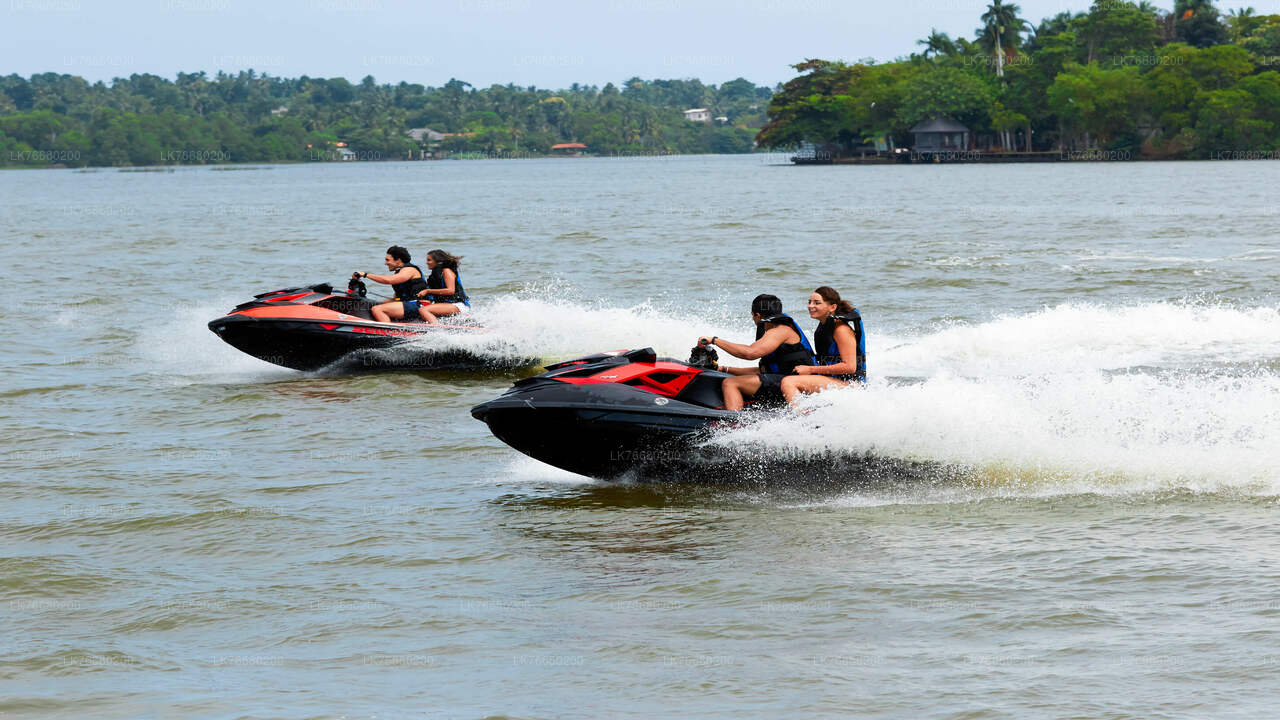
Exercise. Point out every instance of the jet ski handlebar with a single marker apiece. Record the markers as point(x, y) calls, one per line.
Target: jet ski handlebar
point(704, 356)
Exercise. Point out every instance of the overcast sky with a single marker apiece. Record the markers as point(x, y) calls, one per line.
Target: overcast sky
point(527, 42)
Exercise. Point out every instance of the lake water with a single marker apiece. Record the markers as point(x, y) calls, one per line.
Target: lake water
point(189, 532)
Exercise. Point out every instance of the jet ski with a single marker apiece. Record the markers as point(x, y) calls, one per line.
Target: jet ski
point(612, 413)
point(312, 328)
point(629, 414)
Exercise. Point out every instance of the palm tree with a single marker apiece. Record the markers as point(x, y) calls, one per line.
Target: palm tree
point(1001, 25)
point(1238, 21)
point(938, 43)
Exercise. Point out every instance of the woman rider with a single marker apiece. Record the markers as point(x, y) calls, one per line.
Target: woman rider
point(839, 342)
point(444, 288)
point(780, 346)
point(405, 279)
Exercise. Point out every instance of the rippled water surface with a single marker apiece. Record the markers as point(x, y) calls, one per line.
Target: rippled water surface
point(1088, 352)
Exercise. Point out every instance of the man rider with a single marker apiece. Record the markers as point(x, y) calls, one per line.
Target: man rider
point(780, 347)
point(406, 281)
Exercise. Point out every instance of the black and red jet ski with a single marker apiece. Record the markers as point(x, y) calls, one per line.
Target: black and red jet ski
point(608, 414)
point(631, 414)
point(313, 328)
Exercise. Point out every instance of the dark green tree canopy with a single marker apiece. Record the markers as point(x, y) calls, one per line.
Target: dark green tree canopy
point(1120, 74)
point(147, 119)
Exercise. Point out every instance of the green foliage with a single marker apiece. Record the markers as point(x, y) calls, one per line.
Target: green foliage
point(1102, 103)
point(1220, 67)
point(1123, 75)
point(1001, 23)
point(949, 91)
point(1264, 42)
point(1004, 120)
point(1264, 90)
point(146, 119)
point(937, 44)
point(1225, 121)
point(1028, 82)
point(794, 115)
point(1116, 30)
point(1199, 23)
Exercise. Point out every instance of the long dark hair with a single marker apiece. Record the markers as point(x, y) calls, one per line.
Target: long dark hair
point(445, 260)
point(830, 295)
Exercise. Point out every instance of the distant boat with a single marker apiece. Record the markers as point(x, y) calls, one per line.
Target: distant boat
point(568, 150)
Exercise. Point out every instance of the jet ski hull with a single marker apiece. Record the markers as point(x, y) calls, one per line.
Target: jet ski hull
point(312, 328)
point(611, 414)
point(605, 431)
point(310, 346)
point(628, 414)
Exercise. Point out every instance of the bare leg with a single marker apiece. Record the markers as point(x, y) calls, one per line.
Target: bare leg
point(794, 385)
point(439, 310)
point(386, 312)
point(737, 386)
point(426, 316)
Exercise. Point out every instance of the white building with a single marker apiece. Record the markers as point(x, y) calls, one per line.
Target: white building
point(425, 135)
point(698, 115)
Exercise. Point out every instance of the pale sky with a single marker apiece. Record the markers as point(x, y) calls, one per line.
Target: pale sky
point(549, 44)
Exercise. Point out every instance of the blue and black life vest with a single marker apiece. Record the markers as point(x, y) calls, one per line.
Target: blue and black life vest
point(409, 289)
point(435, 281)
point(824, 339)
point(788, 356)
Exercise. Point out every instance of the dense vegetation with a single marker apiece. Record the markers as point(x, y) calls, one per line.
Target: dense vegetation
point(1122, 77)
point(148, 120)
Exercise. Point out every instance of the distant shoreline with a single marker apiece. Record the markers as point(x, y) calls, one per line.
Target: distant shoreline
point(246, 164)
point(782, 159)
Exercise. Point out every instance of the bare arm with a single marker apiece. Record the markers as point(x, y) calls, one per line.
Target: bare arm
point(448, 288)
point(402, 275)
point(772, 338)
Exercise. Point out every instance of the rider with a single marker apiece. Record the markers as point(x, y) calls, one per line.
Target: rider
point(405, 279)
point(839, 341)
point(780, 346)
point(444, 287)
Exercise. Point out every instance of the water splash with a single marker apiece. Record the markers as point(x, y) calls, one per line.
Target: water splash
point(1083, 336)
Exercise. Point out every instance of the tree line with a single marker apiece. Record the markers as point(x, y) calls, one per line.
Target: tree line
point(59, 119)
point(1124, 77)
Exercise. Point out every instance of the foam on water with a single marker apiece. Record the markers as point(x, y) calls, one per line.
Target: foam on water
point(185, 348)
point(515, 327)
point(1084, 336)
point(1077, 398)
point(1092, 430)
point(526, 469)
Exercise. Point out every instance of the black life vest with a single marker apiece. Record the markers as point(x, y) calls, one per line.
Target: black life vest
point(824, 339)
point(409, 289)
point(787, 356)
point(435, 281)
